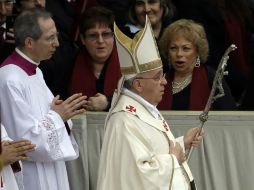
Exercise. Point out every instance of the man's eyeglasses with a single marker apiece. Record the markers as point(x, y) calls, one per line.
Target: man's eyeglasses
point(157, 79)
point(52, 39)
point(96, 36)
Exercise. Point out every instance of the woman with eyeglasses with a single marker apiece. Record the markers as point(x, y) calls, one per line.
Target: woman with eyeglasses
point(96, 70)
point(184, 45)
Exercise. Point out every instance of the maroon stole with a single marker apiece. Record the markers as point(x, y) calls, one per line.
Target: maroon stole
point(24, 64)
point(199, 94)
point(83, 78)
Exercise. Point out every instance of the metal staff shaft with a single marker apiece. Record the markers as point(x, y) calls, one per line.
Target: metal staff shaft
point(216, 91)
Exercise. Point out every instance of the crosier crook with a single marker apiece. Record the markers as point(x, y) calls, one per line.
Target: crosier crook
point(214, 94)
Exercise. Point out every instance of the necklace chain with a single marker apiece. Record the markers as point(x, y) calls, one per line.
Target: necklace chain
point(179, 86)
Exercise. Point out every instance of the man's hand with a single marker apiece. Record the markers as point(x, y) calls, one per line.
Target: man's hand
point(13, 151)
point(98, 102)
point(70, 107)
point(177, 150)
point(193, 137)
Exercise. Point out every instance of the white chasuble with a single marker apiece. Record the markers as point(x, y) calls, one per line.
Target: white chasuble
point(135, 152)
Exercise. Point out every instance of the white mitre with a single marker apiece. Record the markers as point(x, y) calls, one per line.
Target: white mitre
point(139, 54)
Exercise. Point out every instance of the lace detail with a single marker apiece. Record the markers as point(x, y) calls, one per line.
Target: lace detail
point(53, 139)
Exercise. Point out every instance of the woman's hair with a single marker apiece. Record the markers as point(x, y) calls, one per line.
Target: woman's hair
point(94, 16)
point(191, 31)
point(168, 11)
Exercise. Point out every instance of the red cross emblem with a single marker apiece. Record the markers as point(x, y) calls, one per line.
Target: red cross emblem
point(130, 108)
point(165, 125)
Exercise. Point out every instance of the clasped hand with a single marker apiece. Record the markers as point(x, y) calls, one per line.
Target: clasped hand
point(98, 102)
point(72, 106)
point(13, 151)
point(193, 137)
point(177, 150)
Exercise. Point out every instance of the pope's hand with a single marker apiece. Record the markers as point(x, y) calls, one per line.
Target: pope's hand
point(177, 150)
point(193, 137)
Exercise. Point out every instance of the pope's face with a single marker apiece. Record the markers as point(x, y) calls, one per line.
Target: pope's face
point(152, 86)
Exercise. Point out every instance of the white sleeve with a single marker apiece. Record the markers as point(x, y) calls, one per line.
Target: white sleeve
point(4, 135)
point(46, 129)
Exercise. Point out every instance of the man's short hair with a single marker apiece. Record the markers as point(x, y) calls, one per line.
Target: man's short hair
point(128, 83)
point(27, 25)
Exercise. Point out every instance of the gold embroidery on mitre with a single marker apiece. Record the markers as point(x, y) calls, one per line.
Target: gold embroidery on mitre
point(128, 70)
point(151, 65)
point(134, 52)
point(128, 45)
point(142, 68)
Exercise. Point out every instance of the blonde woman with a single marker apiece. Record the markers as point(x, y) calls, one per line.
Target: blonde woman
point(184, 45)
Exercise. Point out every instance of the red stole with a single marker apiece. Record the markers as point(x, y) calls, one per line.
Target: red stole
point(199, 94)
point(21, 62)
point(83, 78)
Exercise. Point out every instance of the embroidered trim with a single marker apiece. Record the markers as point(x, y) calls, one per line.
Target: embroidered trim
point(131, 108)
point(185, 174)
point(52, 138)
point(173, 166)
point(173, 162)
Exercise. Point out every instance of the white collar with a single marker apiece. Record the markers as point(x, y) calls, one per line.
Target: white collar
point(25, 57)
point(151, 108)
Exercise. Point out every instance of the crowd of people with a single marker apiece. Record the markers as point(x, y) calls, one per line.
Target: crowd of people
point(60, 58)
point(68, 69)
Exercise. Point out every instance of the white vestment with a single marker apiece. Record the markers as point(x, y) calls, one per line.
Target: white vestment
point(25, 112)
point(135, 152)
point(7, 175)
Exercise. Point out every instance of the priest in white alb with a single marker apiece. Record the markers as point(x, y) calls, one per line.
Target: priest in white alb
point(28, 108)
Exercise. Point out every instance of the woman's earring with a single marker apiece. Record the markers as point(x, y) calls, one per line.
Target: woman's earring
point(197, 64)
